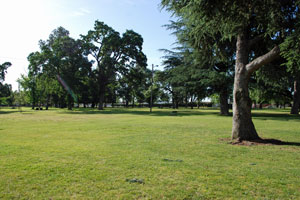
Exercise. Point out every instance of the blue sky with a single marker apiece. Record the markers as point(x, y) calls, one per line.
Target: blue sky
point(24, 23)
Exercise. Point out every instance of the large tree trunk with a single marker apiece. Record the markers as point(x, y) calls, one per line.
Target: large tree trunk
point(243, 127)
point(224, 108)
point(296, 98)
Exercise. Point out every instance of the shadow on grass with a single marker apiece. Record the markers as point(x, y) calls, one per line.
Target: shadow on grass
point(283, 116)
point(14, 111)
point(277, 142)
point(275, 116)
point(161, 113)
point(8, 112)
point(265, 142)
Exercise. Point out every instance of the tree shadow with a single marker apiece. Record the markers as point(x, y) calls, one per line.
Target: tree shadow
point(8, 112)
point(264, 142)
point(14, 111)
point(275, 116)
point(128, 111)
point(277, 142)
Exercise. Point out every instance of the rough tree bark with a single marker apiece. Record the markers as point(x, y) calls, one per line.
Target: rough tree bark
point(243, 127)
point(296, 98)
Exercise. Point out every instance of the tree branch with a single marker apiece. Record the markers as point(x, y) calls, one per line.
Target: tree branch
point(262, 60)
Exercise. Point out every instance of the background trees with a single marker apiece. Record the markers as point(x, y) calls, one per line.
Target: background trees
point(113, 54)
point(5, 89)
point(62, 74)
point(56, 72)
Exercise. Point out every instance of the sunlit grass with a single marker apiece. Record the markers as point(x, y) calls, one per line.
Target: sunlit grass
point(89, 154)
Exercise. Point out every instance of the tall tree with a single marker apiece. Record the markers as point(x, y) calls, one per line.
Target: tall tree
point(246, 22)
point(112, 53)
point(56, 70)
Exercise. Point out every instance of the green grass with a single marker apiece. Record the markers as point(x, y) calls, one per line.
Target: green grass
point(89, 154)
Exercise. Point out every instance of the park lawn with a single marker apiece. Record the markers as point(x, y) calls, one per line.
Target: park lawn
point(90, 154)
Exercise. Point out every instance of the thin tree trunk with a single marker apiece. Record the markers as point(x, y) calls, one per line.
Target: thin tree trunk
point(224, 108)
point(296, 98)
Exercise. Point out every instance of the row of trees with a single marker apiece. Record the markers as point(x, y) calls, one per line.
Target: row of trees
point(235, 39)
point(96, 69)
point(104, 67)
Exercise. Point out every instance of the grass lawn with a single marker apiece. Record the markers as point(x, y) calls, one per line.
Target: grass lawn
point(132, 154)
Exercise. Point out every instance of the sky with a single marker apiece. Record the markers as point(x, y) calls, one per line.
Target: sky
point(24, 22)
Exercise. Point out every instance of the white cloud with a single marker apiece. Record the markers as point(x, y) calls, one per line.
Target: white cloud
point(80, 12)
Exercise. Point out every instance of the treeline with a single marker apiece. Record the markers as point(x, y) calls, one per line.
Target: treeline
point(100, 67)
point(104, 67)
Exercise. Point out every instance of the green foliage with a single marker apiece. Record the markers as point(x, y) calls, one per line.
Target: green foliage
point(60, 58)
point(133, 84)
point(272, 83)
point(290, 50)
point(5, 89)
point(114, 55)
point(229, 18)
point(3, 70)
